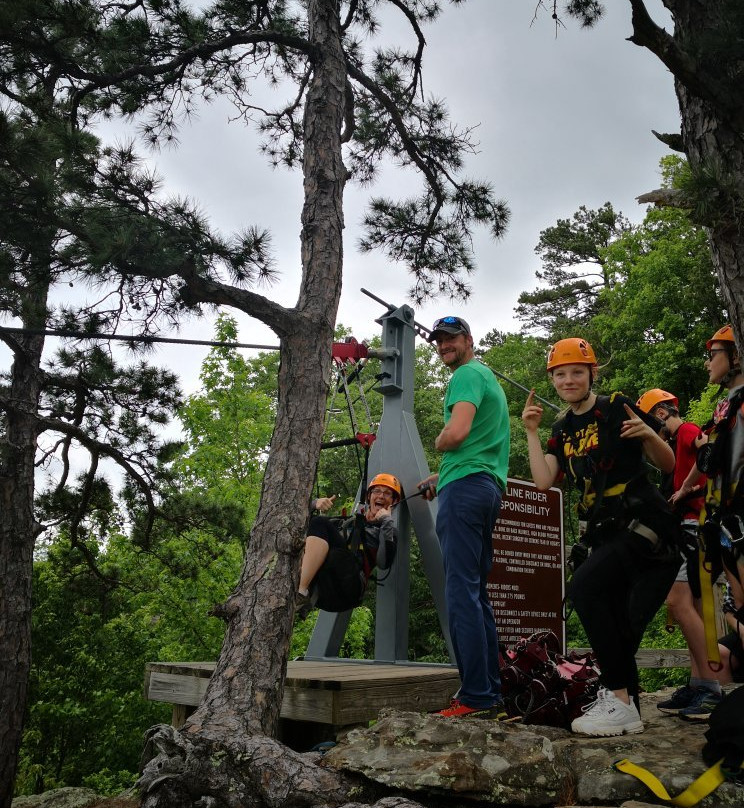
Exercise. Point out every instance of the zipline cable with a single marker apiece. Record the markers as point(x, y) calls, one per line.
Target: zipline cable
point(83, 335)
point(420, 329)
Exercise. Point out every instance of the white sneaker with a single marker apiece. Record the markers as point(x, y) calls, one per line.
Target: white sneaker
point(608, 715)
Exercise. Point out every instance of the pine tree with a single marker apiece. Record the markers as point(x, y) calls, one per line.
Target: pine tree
point(351, 109)
point(574, 272)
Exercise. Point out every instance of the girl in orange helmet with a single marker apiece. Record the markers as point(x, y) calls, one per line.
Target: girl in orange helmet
point(599, 446)
point(334, 575)
point(722, 461)
point(695, 700)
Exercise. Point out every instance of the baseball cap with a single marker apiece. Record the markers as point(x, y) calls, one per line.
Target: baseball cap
point(449, 325)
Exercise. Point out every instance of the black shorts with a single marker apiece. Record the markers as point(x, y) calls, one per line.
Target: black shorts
point(326, 529)
point(340, 582)
point(733, 643)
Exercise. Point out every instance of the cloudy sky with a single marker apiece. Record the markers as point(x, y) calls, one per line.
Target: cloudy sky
point(562, 121)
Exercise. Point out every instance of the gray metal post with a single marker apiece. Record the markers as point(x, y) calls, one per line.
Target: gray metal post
point(397, 450)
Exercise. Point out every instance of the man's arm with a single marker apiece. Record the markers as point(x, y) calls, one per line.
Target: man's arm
point(457, 428)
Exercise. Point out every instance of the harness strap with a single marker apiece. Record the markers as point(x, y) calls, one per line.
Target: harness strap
point(707, 783)
point(709, 613)
point(638, 527)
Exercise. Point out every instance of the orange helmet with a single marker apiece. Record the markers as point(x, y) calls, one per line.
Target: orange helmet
point(652, 398)
point(725, 334)
point(389, 481)
point(572, 351)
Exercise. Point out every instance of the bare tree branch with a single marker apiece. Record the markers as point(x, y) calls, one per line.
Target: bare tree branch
point(686, 69)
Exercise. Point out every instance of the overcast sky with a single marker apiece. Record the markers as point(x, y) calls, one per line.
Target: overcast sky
point(561, 122)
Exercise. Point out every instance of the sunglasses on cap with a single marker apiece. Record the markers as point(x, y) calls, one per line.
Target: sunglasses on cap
point(450, 325)
point(452, 321)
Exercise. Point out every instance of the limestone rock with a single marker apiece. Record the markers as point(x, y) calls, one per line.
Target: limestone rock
point(526, 765)
point(58, 798)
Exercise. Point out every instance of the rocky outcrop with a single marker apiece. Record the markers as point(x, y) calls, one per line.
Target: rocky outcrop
point(519, 765)
point(412, 760)
point(59, 798)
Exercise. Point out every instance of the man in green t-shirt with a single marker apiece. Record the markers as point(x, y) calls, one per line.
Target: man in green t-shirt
point(470, 485)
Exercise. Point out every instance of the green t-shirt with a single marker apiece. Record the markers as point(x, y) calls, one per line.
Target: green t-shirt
point(486, 448)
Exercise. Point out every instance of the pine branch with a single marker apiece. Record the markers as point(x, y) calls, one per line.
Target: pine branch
point(185, 58)
point(98, 448)
point(199, 289)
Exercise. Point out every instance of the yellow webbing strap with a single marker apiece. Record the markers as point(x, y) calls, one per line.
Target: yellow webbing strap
point(708, 782)
point(709, 613)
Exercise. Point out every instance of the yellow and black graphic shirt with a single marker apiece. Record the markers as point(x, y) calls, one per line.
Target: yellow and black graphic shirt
point(575, 443)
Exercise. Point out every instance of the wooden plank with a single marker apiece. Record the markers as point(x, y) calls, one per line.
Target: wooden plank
point(303, 704)
point(326, 692)
point(180, 713)
point(176, 688)
point(363, 705)
point(344, 693)
point(656, 657)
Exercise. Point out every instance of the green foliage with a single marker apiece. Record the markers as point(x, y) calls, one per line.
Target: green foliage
point(656, 320)
point(425, 640)
point(430, 379)
point(87, 712)
point(701, 409)
point(228, 425)
point(652, 304)
point(359, 639)
point(122, 601)
point(521, 359)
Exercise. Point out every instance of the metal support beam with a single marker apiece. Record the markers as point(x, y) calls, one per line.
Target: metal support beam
point(398, 450)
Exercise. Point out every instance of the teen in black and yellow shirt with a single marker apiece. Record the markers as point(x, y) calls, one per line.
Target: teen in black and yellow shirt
point(599, 446)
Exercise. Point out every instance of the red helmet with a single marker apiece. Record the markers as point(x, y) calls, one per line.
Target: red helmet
point(571, 351)
point(652, 398)
point(725, 334)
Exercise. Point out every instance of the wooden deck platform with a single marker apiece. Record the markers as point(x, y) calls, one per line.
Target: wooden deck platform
point(337, 693)
point(341, 693)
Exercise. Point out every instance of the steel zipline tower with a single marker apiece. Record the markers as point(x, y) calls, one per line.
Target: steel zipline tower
point(398, 450)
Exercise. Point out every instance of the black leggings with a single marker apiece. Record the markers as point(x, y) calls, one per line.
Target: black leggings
point(616, 593)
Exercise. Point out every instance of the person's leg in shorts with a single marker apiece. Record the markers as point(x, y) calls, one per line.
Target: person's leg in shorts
point(322, 534)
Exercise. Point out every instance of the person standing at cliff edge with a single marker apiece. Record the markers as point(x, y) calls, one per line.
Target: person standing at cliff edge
point(470, 485)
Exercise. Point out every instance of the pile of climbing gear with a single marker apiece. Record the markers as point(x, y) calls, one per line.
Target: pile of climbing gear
point(541, 685)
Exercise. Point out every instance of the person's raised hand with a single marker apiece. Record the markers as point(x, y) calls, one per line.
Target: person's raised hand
point(532, 413)
point(324, 504)
point(634, 426)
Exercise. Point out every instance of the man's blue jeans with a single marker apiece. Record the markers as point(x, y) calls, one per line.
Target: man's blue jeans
point(468, 509)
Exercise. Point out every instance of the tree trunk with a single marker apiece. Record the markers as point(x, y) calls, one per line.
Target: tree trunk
point(242, 704)
point(18, 531)
point(714, 143)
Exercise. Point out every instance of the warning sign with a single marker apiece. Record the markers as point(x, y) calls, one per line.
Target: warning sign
point(527, 585)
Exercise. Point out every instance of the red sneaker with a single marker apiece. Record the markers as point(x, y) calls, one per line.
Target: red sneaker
point(459, 710)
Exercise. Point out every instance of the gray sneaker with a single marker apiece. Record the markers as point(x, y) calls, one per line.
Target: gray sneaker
point(681, 698)
point(608, 716)
point(702, 706)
